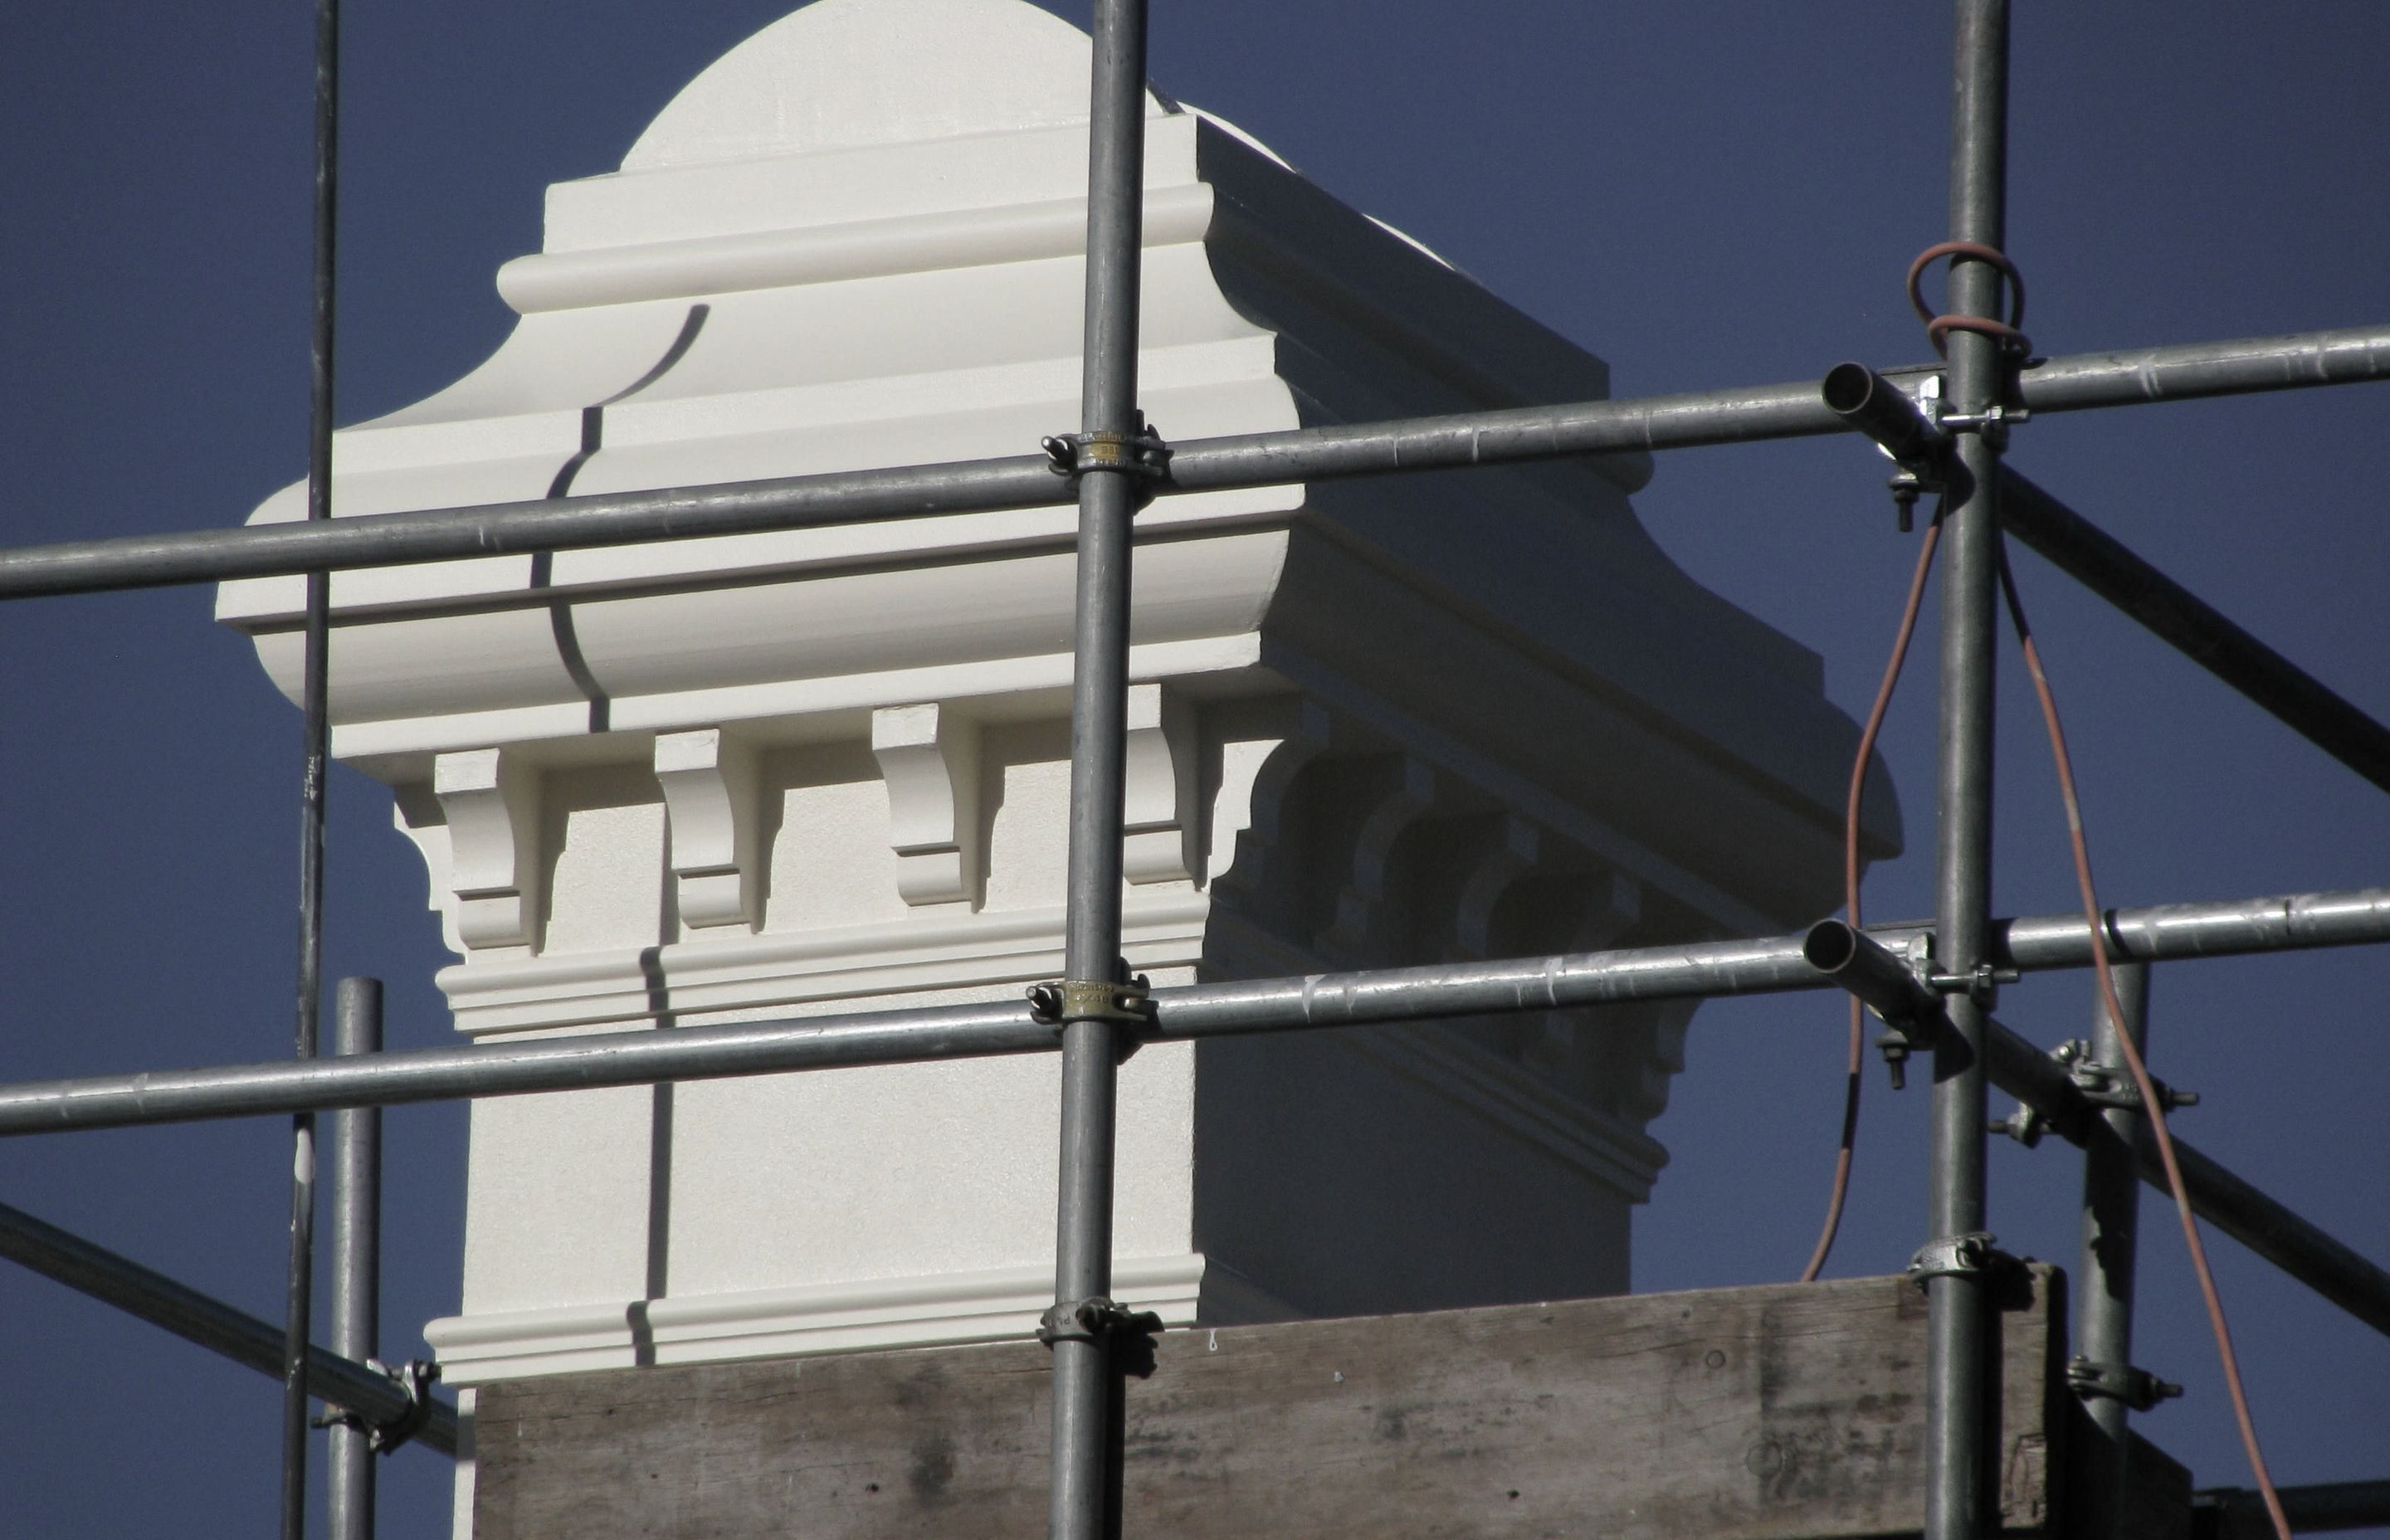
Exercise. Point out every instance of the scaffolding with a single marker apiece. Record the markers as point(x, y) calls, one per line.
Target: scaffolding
point(1946, 427)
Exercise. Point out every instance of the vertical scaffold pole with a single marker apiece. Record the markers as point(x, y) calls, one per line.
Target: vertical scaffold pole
point(352, 1160)
point(2112, 1206)
point(317, 754)
point(1083, 1371)
point(1959, 1318)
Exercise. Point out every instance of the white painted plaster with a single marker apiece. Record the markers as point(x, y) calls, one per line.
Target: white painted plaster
point(806, 771)
point(708, 779)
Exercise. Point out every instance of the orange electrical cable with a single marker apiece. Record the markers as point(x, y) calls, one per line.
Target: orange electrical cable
point(2152, 1108)
point(1851, 891)
point(1940, 328)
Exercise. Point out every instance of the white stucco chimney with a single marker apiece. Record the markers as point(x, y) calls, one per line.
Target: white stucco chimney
point(1371, 723)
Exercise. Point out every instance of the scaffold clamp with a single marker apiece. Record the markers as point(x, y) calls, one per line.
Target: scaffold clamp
point(415, 1379)
point(1094, 1320)
point(2138, 1389)
point(2025, 1126)
point(1992, 422)
point(1957, 1256)
point(2113, 1085)
point(1143, 455)
point(1896, 1048)
point(1982, 984)
point(1068, 1000)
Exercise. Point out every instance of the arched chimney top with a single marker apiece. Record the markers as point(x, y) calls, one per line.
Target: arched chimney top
point(839, 74)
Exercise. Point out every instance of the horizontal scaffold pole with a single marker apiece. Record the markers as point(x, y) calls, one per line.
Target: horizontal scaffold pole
point(2235, 1513)
point(68, 1258)
point(1776, 965)
point(1880, 409)
point(1877, 976)
point(1792, 410)
point(1770, 964)
point(2190, 371)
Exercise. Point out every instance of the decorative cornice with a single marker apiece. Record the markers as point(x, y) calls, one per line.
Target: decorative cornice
point(928, 760)
point(395, 750)
point(995, 1304)
point(1512, 1097)
point(1399, 795)
point(708, 780)
point(1509, 851)
point(864, 248)
point(1521, 1104)
point(934, 950)
point(1162, 819)
point(490, 798)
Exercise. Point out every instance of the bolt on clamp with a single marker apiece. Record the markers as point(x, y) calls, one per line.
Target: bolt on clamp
point(2138, 1389)
point(2025, 1126)
point(1095, 1320)
point(1068, 1000)
point(1958, 1256)
point(1992, 422)
point(1982, 985)
point(1143, 455)
point(1896, 1048)
point(1918, 476)
point(1906, 486)
point(413, 1377)
point(2107, 1086)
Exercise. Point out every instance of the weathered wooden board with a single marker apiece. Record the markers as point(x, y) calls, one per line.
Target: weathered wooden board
point(1749, 1414)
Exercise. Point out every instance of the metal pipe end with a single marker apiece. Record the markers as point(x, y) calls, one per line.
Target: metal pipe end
point(1847, 387)
point(1861, 964)
point(1830, 944)
point(1874, 405)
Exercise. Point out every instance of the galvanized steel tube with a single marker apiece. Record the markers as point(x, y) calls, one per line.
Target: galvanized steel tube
point(314, 768)
point(1763, 966)
point(1867, 969)
point(352, 1152)
point(210, 1323)
point(1740, 415)
point(1959, 1318)
point(1872, 405)
point(2194, 627)
point(1085, 1436)
point(2168, 932)
point(509, 1069)
point(2125, 376)
point(551, 525)
point(2264, 1225)
point(1771, 965)
point(2103, 1310)
point(2232, 1513)
point(2275, 1232)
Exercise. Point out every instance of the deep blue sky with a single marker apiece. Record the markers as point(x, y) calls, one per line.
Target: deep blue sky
point(1705, 194)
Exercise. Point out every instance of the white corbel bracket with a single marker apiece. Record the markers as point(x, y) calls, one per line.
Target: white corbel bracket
point(1510, 852)
point(1608, 905)
point(490, 798)
point(713, 803)
point(1394, 803)
point(1162, 816)
point(929, 758)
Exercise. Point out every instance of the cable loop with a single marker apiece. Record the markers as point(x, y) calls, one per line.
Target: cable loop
point(2154, 1103)
point(1938, 328)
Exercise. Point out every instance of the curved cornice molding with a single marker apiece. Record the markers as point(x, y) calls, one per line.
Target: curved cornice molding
point(838, 73)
